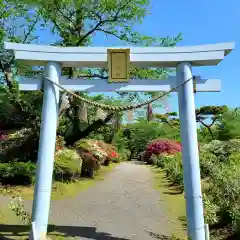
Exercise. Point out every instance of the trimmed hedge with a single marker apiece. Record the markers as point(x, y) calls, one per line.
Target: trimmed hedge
point(67, 166)
point(21, 173)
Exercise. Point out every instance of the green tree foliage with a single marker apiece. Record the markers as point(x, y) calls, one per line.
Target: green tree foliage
point(229, 125)
point(74, 23)
point(17, 24)
point(171, 118)
point(136, 136)
point(210, 114)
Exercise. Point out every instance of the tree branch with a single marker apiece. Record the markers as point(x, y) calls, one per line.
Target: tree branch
point(108, 32)
point(213, 121)
point(76, 135)
point(61, 12)
point(30, 29)
point(208, 127)
point(101, 22)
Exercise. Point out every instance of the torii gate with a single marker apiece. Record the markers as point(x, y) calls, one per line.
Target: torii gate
point(183, 58)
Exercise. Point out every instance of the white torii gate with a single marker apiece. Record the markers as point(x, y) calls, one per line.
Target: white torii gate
point(183, 58)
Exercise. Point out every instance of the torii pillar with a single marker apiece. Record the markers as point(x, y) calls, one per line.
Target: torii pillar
point(183, 58)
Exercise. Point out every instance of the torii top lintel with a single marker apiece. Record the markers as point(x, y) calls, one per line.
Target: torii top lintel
point(202, 55)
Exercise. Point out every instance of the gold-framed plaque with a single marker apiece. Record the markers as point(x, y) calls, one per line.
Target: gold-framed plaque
point(118, 65)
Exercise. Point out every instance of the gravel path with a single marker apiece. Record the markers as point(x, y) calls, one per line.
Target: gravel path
point(123, 206)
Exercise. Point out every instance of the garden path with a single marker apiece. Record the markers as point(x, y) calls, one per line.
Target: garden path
point(121, 207)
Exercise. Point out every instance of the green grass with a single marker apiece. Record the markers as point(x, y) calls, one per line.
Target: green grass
point(173, 201)
point(11, 226)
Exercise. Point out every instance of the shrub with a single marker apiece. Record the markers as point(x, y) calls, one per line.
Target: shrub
point(140, 133)
point(174, 168)
point(110, 150)
point(141, 156)
point(90, 163)
point(120, 141)
point(3, 136)
point(234, 145)
point(91, 154)
point(17, 206)
point(207, 160)
point(103, 152)
point(17, 173)
point(67, 165)
point(60, 143)
point(222, 149)
point(210, 210)
point(93, 146)
point(162, 146)
point(112, 156)
point(225, 189)
point(229, 125)
point(124, 155)
point(158, 160)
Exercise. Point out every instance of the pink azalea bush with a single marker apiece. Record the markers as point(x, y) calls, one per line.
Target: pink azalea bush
point(162, 146)
point(3, 136)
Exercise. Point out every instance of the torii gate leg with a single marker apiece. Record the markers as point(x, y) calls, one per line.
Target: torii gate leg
point(192, 180)
point(42, 192)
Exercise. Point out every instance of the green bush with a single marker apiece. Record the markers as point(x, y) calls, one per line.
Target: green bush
point(67, 165)
point(229, 125)
point(207, 160)
point(174, 169)
point(222, 149)
point(142, 132)
point(17, 173)
point(120, 141)
point(124, 155)
point(211, 210)
point(224, 189)
point(158, 160)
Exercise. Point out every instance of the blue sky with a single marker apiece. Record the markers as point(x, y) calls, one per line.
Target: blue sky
point(201, 22)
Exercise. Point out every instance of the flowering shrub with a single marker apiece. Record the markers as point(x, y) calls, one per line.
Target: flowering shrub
point(67, 165)
point(114, 156)
point(166, 147)
point(17, 206)
point(102, 151)
point(3, 136)
point(60, 143)
point(95, 153)
point(109, 150)
point(19, 134)
point(99, 153)
point(90, 163)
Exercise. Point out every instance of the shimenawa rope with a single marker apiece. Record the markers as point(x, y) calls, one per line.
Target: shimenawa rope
point(119, 108)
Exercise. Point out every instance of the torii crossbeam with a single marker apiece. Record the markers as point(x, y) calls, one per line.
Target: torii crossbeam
point(183, 58)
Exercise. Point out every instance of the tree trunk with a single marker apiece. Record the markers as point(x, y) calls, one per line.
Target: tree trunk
point(149, 112)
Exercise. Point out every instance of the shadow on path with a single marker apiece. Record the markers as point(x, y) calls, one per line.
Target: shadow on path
point(137, 162)
point(158, 236)
point(7, 231)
